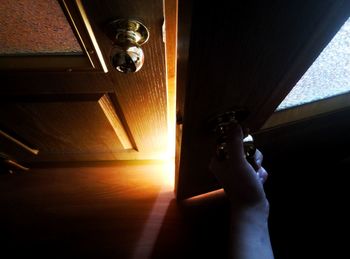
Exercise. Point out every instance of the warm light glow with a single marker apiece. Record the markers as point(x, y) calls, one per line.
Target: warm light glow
point(153, 225)
point(206, 195)
point(166, 195)
point(170, 32)
point(169, 174)
point(163, 174)
point(150, 232)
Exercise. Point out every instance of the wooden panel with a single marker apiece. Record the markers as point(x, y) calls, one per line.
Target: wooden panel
point(77, 127)
point(253, 57)
point(141, 97)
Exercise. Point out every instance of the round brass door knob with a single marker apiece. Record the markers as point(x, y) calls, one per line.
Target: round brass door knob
point(127, 35)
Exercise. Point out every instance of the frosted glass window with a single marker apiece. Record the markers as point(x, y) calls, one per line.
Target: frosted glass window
point(328, 76)
point(35, 27)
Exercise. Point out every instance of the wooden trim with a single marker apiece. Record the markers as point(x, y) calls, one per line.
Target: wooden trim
point(49, 98)
point(108, 109)
point(308, 111)
point(184, 27)
point(170, 19)
point(45, 63)
point(94, 52)
point(106, 163)
point(19, 143)
point(127, 154)
point(15, 164)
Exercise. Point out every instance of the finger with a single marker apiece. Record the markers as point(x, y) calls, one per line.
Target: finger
point(235, 153)
point(234, 142)
point(262, 175)
point(258, 158)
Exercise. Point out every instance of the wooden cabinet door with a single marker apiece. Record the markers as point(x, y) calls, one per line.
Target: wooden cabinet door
point(78, 107)
point(243, 55)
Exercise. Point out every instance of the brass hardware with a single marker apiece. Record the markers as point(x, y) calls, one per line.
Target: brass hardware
point(127, 35)
point(221, 125)
point(228, 118)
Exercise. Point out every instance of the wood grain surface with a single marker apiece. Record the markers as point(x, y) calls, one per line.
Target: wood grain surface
point(247, 56)
point(171, 21)
point(140, 98)
point(124, 210)
point(119, 211)
point(63, 129)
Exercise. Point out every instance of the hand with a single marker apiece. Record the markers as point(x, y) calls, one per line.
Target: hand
point(242, 183)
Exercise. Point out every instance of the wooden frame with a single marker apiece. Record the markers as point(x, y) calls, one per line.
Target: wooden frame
point(308, 111)
point(91, 60)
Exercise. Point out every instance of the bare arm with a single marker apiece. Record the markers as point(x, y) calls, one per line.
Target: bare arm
point(249, 207)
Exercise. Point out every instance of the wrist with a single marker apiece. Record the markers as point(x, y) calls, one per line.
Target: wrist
point(259, 211)
point(250, 232)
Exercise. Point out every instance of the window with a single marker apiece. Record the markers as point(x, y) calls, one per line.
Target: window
point(35, 28)
point(47, 35)
point(328, 76)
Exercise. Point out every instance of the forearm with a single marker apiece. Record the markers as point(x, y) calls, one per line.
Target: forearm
point(249, 234)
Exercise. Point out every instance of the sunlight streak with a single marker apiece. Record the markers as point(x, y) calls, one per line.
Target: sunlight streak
point(149, 235)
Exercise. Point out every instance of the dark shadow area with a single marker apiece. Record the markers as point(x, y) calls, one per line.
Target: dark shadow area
point(308, 163)
point(309, 211)
point(100, 213)
point(73, 213)
point(195, 229)
point(308, 186)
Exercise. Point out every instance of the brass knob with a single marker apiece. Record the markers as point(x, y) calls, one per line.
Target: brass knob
point(127, 36)
point(221, 124)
